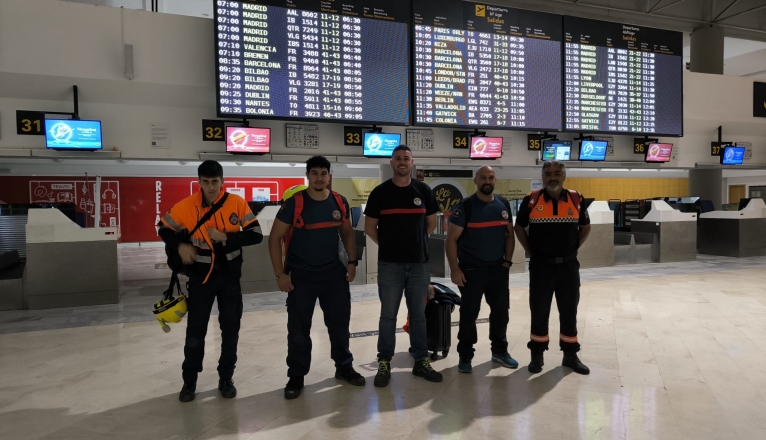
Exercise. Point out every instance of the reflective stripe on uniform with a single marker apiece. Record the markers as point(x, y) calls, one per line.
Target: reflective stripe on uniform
point(203, 259)
point(199, 243)
point(487, 224)
point(536, 338)
point(554, 220)
point(248, 218)
point(403, 211)
point(232, 255)
point(568, 339)
point(172, 223)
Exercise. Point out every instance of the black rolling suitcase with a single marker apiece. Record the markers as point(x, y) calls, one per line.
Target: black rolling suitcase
point(439, 327)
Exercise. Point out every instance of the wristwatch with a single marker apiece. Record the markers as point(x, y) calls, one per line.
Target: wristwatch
point(354, 262)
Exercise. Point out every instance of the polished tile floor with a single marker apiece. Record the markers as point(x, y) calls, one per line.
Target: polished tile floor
point(677, 351)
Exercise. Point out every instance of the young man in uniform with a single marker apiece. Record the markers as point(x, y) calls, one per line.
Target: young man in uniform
point(400, 214)
point(479, 247)
point(214, 254)
point(558, 225)
point(312, 270)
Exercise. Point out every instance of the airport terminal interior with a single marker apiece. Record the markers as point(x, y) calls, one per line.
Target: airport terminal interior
point(655, 109)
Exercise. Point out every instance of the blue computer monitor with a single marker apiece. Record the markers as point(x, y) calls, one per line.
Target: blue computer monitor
point(556, 150)
point(593, 151)
point(733, 155)
point(73, 134)
point(381, 144)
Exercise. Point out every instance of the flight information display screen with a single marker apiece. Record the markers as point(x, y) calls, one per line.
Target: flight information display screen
point(621, 78)
point(486, 66)
point(337, 60)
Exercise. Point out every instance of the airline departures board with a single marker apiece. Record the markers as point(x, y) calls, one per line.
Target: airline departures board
point(479, 65)
point(621, 78)
point(337, 60)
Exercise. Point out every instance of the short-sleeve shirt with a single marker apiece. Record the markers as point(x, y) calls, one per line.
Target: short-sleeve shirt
point(483, 239)
point(553, 228)
point(313, 249)
point(401, 214)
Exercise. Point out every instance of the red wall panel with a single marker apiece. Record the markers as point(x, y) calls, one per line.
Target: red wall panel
point(133, 204)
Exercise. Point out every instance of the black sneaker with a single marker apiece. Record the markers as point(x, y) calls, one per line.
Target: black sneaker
point(187, 392)
point(384, 373)
point(536, 364)
point(227, 389)
point(423, 369)
point(294, 387)
point(351, 376)
point(572, 361)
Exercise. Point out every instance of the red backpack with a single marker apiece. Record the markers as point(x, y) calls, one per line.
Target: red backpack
point(300, 224)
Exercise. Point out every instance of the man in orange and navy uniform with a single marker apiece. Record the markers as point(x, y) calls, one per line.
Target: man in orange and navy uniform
point(310, 224)
point(558, 225)
point(213, 260)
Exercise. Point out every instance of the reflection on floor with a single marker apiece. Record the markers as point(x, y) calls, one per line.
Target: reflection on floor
point(677, 351)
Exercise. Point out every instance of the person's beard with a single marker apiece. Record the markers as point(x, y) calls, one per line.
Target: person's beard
point(402, 172)
point(553, 186)
point(318, 189)
point(487, 189)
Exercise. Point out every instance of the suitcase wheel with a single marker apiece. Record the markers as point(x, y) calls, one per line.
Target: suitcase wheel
point(445, 353)
point(434, 356)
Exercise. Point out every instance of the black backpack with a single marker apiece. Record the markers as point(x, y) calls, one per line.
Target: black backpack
point(174, 259)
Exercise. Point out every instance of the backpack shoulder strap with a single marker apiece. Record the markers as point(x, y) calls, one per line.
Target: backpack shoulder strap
point(576, 198)
point(534, 196)
point(297, 219)
point(341, 205)
point(210, 213)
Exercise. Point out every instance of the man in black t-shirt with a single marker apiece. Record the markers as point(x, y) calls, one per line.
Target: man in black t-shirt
point(558, 225)
point(313, 270)
point(400, 214)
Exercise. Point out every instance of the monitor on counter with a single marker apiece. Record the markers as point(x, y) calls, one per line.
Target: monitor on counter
point(658, 153)
point(248, 140)
point(486, 147)
point(593, 151)
point(733, 155)
point(73, 134)
point(557, 150)
point(381, 144)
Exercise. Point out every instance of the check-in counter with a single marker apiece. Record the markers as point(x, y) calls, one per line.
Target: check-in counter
point(676, 232)
point(734, 233)
point(440, 265)
point(598, 249)
point(67, 265)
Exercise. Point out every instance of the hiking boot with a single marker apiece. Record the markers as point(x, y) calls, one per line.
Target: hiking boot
point(351, 376)
point(384, 373)
point(294, 387)
point(187, 392)
point(227, 389)
point(464, 365)
point(505, 360)
point(536, 364)
point(423, 369)
point(572, 361)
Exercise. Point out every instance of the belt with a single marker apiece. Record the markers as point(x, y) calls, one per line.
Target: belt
point(555, 260)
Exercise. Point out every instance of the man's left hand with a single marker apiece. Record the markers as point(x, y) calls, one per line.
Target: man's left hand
point(351, 269)
point(216, 235)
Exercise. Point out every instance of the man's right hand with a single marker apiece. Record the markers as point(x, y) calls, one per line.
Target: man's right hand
point(187, 253)
point(458, 277)
point(285, 283)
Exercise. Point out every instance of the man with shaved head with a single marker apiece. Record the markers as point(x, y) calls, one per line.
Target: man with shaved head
point(479, 247)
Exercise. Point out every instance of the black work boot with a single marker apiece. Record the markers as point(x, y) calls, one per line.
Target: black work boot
point(294, 387)
point(536, 364)
point(384, 373)
point(187, 392)
point(350, 375)
point(423, 369)
point(227, 389)
point(572, 361)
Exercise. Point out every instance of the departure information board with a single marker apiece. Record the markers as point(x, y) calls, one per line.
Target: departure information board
point(338, 60)
point(622, 78)
point(479, 65)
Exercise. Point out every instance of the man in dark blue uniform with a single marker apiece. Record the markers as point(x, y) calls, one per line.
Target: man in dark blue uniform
point(479, 247)
point(558, 225)
point(309, 223)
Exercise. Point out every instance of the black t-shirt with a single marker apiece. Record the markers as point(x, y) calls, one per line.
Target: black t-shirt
point(313, 249)
point(401, 214)
point(553, 236)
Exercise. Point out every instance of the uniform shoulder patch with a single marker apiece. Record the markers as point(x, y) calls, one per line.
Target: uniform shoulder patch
point(234, 218)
